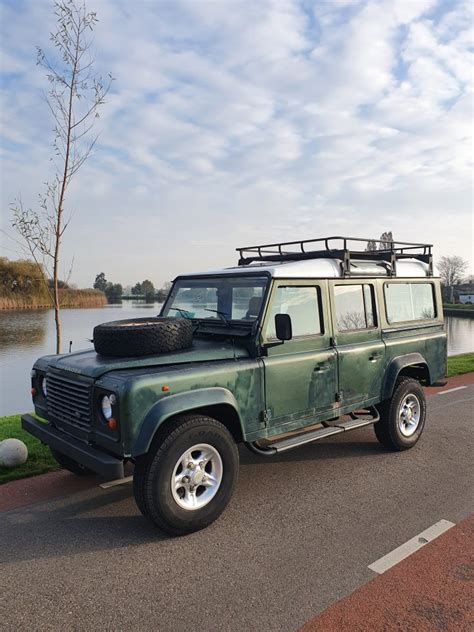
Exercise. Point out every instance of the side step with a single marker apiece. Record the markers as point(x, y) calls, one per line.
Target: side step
point(320, 433)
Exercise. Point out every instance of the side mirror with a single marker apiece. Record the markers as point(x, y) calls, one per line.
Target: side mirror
point(283, 327)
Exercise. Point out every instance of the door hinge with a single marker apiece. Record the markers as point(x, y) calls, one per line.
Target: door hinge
point(266, 416)
point(339, 396)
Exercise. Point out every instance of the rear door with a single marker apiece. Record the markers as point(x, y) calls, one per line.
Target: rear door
point(300, 374)
point(358, 341)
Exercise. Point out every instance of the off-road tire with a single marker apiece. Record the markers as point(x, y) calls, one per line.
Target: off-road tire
point(153, 472)
point(143, 336)
point(387, 429)
point(69, 464)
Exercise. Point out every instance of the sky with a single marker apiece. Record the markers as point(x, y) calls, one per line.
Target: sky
point(238, 123)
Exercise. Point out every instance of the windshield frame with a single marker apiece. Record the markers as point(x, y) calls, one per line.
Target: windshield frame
point(217, 322)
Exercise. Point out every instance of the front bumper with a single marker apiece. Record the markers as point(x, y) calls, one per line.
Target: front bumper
point(108, 466)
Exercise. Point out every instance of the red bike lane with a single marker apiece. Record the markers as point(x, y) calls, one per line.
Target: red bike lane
point(432, 589)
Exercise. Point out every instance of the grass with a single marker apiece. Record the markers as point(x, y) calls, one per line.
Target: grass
point(459, 364)
point(40, 460)
point(458, 306)
point(39, 457)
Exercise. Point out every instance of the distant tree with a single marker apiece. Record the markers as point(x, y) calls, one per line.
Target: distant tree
point(371, 245)
point(137, 289)
point(163, 292)
point(62, 285)
point(75, 96)
point(452, 270)
point(100, 282)
point(113, 292)
point(387, 241)
point(20, 277)
point(148, 289)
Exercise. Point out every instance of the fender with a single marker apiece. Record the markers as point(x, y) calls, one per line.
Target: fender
point(394, 368)
point(176, 404)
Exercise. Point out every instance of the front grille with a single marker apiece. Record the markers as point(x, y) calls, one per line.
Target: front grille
point(69, 400)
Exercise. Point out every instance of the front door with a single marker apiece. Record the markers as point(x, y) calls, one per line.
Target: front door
point(300, 374)
point(358, 342)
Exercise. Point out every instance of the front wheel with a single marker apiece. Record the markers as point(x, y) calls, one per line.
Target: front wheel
point(186, 480)
point(402, 417)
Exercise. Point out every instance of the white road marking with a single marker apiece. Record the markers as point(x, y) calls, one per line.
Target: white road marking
point(451, 390)
point(403, 551)
point(117, 481)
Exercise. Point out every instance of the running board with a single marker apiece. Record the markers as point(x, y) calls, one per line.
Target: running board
point(315, 435)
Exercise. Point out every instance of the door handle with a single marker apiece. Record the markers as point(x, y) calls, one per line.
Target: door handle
point(374, 357)
point(319, 368)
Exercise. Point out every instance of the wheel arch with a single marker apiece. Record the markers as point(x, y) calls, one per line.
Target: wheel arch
point(410, 365)
point(218, 403)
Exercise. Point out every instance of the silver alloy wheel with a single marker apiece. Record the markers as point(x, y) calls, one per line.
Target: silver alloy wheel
point(409, 415)
point(196, 476)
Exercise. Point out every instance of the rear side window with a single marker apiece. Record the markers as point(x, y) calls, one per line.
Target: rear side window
point(409, 301)
point(354, 307)
point(303, 306)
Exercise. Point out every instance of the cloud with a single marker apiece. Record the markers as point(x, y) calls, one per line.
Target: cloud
point(233, 122)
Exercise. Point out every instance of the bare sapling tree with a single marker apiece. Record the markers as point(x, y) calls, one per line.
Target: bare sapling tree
point(452, 270)
point(75, 95)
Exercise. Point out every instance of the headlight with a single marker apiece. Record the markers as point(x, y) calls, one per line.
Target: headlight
point(44, 386)
point(107, 403)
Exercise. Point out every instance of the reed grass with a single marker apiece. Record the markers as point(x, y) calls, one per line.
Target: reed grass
point(68, 298)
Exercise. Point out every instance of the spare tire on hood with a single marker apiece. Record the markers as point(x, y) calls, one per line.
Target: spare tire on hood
point(143, 336)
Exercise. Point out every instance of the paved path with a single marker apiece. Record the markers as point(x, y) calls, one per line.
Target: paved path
point(430, 590)
point(298, 536)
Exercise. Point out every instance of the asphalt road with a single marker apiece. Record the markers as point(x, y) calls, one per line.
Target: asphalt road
point(298, 536)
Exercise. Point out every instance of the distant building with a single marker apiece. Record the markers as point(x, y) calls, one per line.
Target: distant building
point(463, 293)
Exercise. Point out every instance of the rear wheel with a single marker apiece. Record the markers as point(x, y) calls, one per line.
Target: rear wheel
point(69, 464)
point(402, 417)
point(188, 477)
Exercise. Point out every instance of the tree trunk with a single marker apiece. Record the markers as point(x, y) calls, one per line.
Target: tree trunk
point(57, 318)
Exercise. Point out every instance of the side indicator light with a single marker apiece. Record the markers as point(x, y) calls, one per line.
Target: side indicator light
point(112, 423)
point(165, 388)
point(34, 392)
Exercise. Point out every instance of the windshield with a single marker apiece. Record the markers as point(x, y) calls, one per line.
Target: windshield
point(236, 298)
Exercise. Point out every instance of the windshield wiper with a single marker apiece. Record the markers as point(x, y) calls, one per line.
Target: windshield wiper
point(221, 314)
point(183, 312)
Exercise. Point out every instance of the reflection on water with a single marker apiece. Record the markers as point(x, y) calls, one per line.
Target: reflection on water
point(27, 335)
point(460, 331)
point(24, 329)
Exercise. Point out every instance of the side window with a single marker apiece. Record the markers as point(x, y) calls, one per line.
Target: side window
point(409, 301)
point(354, 307)
point(303, 306)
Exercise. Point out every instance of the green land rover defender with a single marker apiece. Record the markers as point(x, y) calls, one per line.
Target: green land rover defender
point(300, 341)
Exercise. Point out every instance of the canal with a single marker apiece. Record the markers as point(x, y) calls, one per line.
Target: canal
point(26, 335)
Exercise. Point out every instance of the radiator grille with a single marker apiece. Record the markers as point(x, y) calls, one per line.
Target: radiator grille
point(69, 400)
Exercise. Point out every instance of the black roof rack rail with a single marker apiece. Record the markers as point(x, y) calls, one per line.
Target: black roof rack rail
point(338, 247)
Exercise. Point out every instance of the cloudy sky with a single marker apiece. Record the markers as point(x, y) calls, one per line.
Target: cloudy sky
point(234, 123)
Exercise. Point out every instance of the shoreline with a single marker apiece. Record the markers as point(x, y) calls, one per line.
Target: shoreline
point(42, 308)
point(70, 299)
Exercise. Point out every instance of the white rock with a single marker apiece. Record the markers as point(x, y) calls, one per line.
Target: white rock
point(13, 452)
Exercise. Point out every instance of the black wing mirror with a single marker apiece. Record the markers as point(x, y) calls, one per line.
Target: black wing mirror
point(283, 327)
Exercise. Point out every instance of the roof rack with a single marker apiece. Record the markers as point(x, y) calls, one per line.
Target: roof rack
point(337, 247)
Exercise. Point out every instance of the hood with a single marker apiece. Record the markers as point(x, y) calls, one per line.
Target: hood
point(90, 364)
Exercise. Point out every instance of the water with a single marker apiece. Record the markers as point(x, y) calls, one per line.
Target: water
point(460, 332)
point(27, 335)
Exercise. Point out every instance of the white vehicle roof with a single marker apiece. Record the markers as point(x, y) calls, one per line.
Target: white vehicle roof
point(325, 269)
